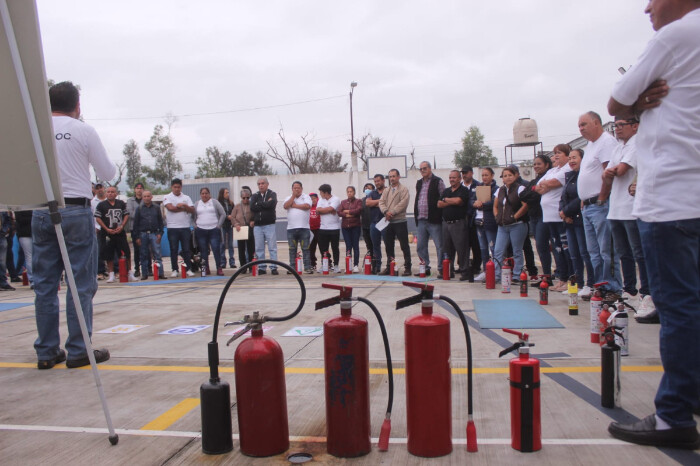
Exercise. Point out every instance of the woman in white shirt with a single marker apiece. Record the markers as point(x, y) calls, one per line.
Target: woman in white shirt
point(209, 215)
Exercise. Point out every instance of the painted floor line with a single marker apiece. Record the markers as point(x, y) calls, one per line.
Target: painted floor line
point(172, 415)
point(292, 438)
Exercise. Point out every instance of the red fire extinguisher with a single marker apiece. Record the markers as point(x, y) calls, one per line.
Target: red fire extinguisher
point(421, 268)
point(348, 263)
point(156, 271)
point(525, 421)
point(346, 356)
point(507, 274)
point(254, 267)
point(428, 376)
point(523, 283)
point(183, 271)
point(596, 307)
point(123, 274)
point(368, 264)
point(25, 278)
point(446, 264)
point(325, 264)
point(392, 267)
point(490, 270)
point(544, 289)
point(299, 264)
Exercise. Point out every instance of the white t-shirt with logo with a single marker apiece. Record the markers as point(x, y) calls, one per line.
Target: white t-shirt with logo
point(621, 203)
point(590, 176)
point(550, 200)
point(177, 219)
point(298, 218)
point(329, 221)
point(206, 215)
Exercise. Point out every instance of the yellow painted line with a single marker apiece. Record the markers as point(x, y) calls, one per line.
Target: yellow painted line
point(169, 417)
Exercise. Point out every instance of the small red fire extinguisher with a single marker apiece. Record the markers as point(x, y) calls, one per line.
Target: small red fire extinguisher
point(254, 267)
point(596, 307)
point(525, 421)
point(368, 264)
point(156, 271)
point(446, 264)
point(523, 283)
point(421, 268)
point(123, 274)
point(183, 271)
point(392, 267)
point(490, 270)
point(325, 264)
point(299, 264)
point(544, 289)
point(25, 278)
point(348, 263)
point(507, 274)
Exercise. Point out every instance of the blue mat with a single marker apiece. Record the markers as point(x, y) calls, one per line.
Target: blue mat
point(10, 306)
point(513, 313)
point(150, 281)
point(383, 278)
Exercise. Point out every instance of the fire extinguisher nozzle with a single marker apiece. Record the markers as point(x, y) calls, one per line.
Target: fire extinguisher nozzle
point(472, 447)
point(383, 444)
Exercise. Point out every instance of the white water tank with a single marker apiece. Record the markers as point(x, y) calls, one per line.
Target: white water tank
point(525, 131)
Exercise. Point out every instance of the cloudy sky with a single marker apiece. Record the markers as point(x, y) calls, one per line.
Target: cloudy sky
point(234, 72)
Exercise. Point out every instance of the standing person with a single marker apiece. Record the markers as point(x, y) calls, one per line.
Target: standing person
point(366, 218)
point(298, 205)
point(454, 204)
point(5, 225)
point(24, 236)
point(428, 216)
point(329, 233)
point(550, 188)
point(511, 216)
point(486, 227)
point(74, 157)
point(209, 215)
point(99, 196)
point(241, 217)
point(226, 202)
point(541, 165)
point(664, 86)
point(599, 149)
point(351, 225)
point(470, 183)
point(112, 216)
point(375, 213)
point(314, 225)
point(148, 228)
point(131, 205)
point(179, 208)
point(393, 204)
point(570, 213)
point(263, 204)
point(12, 269)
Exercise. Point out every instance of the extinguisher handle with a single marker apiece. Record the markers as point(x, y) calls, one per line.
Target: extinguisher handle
point(513, 347)
point(327, 302)
point(239, 334)
point(405, 302)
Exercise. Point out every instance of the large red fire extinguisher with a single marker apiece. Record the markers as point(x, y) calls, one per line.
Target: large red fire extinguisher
point(325, 264)
point(428, 376)
point(123, 274)
point(368, 264)
point(596, 307)
point(446, 264)
point(544, 290)
point(346, 356)
point(507, 274)
point(156, 271)
point(523, 283)
point(490, 270)
point(525, 421)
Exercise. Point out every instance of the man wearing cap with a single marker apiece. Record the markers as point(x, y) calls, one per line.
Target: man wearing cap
point(131, 205)
point(99, 196)
point(428, 216)
point(470, 183)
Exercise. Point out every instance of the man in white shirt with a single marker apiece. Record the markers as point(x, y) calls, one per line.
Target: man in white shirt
point(77, 148)
point(178, 220)
point(595, 204)
point(664, 87)
point(298, 207)
point(329, 233)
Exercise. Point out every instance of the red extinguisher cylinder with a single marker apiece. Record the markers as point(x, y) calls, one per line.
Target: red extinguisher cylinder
point(490, 270)
point(346, 355)
point(544, 290)
point(446, 268)
point(392, 267)
point(525, 423)
point(428, 384)
point(261, 396)
point(123, 274)
point(523, 284)
point(348, 263)
point(156, 271)
point(183, 271)
point(368, 264)
point(25, 278)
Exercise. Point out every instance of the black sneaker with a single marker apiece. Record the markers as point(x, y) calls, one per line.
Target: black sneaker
point(101, 355)
point(137, 273)
point(275, 272)
point(15, 279)
point(49, 363)
point(384, 272)
point(652, 318)
point(262, 272)
point(145, 277)
point(7, 287)
point(406, 271)
point(644, 433)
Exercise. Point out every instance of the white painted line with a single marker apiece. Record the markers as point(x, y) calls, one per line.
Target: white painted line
point(293, 438)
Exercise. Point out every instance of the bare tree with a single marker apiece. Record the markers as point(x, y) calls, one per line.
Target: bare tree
point(371, 146)
point(307, 157)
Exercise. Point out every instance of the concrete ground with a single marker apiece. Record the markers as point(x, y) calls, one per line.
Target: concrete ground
point(152, 380)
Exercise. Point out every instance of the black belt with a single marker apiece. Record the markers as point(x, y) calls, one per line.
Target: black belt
point(450, 222)
point(81, 201)
point(590, 200)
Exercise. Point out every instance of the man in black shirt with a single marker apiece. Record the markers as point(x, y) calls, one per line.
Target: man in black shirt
point(454, 203)
point(112, 216)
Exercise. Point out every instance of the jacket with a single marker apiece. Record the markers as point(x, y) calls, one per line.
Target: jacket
point(147, 218)
point(263, 207)
point(355, 207)
point(228, 208)
point(507, 211)
point(131, 205)
point(395, 200)
point(570, 203)
point(242, 215)
point(532, 197)
point(434, 214)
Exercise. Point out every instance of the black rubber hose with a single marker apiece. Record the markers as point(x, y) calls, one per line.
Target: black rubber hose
point(385, 337)
point(247, 266)
point(469, 349)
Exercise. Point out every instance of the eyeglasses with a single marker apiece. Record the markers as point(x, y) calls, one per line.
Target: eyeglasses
point(424, 168)
point(622, 125)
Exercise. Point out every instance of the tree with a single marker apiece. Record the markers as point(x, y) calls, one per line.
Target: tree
point(214, 164)
point(371, 146)
point(474, 152)
point(162, 149)
point(245, 164)
point(132, 159)
point(307, 157)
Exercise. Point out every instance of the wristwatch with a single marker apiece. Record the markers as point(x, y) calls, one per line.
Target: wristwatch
point(599, 202)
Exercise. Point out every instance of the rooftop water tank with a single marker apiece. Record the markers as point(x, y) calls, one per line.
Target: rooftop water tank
point(525, 131)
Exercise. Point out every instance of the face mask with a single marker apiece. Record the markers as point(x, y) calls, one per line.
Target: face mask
point(368, 192)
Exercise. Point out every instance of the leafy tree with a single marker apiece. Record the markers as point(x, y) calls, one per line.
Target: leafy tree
point(214, 164)
point(132, 159)
point(245, 164)
point(162, 149)
point(474, 152)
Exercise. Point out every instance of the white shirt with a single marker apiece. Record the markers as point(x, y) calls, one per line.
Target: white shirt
point(550, 200)
point(298, 218)
point(77, 147)
point(329, 221)
point(668, 140)
point(93, 206)
point(591, 172)
point(177, 219)
point(206, 215)
point(621, 202)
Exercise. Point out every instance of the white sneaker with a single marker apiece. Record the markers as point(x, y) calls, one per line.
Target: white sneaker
point(110, 278)
point(132, 278)
point(481, 277)
point(355, 269)
point(566, 291)
point(336, 269)
point(647, 307)
point(190, 273)
point(174, 274)
point(585, 292)
point(628, 297)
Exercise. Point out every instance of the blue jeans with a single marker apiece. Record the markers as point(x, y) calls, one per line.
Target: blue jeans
point(542, 241)
point(672, 253)
point(26, 247)
point(150, 246)
point(628, 245)
point(184, 237)
point(557, 235)
point(209, 240)
point(598, 241)
point(266, 234)
point(487, 242)
point(377, 237)
point(302, 238)
point(515, 236)
point(79, 234)
point(227, 243)
point(351, 236)
point(579, 254)
point(434, 231)
point(3, 256)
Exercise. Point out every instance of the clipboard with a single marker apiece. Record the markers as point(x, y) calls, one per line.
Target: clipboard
point(241, 235)
point(483, 193)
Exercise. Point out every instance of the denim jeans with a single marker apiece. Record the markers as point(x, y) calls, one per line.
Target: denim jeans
point(79, 234)
point(3, 256)
point(628, 245)
point(557, 235)
point(672, 253)
point(579, 254)
point(184, 237)
point(426, 229)
point(300, 237)
point(150, 246)
point(26, 246)
point(209, 240)
point(487, 241)
point(598, 240)
point(377, 237)
point(515, 236)
point(351, 236)
point(227, 243)
point(266, 234)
